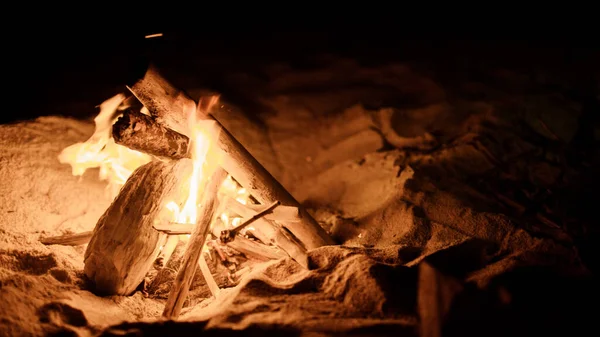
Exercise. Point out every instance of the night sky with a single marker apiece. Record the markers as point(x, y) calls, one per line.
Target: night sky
point(66, 69)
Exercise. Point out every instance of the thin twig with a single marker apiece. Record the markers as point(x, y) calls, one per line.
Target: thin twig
point(69, 239)
point(229, 235)
point(210, 281)
point(174, 228)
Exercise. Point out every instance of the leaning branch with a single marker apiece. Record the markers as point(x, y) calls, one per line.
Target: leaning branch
point(194, 248)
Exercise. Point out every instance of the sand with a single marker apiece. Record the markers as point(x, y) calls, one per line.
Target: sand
point(435, 206)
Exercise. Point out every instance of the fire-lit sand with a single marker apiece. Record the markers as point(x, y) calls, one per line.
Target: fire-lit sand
point(421, 203)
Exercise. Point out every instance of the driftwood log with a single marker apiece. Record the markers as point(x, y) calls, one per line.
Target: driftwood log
point(168, 105)
point(139, 132)
point(124, 244)
point(165, 102)
point(194, 247)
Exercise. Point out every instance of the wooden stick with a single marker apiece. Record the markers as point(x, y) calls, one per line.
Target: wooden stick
point(194, 248)
point(246, 246)
point(174, 228)
point(210, 281)
point(68, 239)
point(281, 214)
point(139, 132)
point(280, 235)
point(167, 251)
point(124, 245)
point(228, 235)
point(168, 105)
point(253, 249)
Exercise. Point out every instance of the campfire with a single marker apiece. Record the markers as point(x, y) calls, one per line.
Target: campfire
point(325, 195)
point(179, 179)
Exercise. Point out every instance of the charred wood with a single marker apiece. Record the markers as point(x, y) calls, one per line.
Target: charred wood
point(142, 133)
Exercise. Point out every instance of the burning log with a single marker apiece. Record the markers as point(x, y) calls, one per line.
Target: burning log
point(194, 248)
point(124, 244)
point(139, 132)
point(168, 106)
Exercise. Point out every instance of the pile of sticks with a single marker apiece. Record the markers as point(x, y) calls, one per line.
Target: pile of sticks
point(135, 229)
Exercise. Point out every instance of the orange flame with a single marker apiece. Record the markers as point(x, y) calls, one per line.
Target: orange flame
point(115, 162)
point(204, 161)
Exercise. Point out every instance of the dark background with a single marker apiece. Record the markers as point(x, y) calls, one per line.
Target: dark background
point(66, 68)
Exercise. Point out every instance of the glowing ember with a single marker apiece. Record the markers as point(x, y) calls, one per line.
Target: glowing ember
point(151, 36)
point(116, 162)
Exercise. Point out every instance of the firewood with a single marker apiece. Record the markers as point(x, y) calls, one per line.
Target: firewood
point(228, 235)
point(255, 250)
point(194, 247)
point(68, 239)
point(174, 228)
point(266, 189)
point(279, 235)
point(141, 133)
point(210, 281)
point(282, 214)
point(248, 247)
point(165, 102)
point(267, 232)
point(169, 104)
point(124, 245)
point(167, 251)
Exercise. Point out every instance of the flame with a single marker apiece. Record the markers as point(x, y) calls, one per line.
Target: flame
point(204, 159)
point(200, 144)
point(115, 162)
